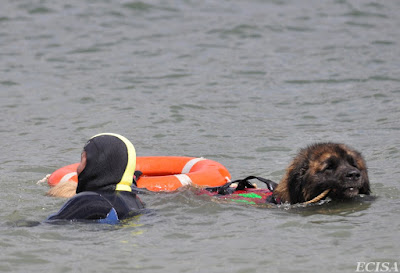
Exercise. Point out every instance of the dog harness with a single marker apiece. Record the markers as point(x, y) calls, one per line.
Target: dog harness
point(245, 192)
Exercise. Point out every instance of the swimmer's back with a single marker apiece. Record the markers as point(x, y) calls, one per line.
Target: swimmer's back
point(90, 205)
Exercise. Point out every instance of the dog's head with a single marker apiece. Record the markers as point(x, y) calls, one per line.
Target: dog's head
point(324, 166)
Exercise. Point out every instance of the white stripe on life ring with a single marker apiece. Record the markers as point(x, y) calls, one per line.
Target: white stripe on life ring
point(189, 165)
point(67, 177)
point(184, 179)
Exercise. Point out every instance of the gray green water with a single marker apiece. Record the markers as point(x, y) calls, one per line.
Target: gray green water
point(245, 83)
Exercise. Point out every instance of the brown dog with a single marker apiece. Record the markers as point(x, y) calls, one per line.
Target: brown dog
point(320, 167)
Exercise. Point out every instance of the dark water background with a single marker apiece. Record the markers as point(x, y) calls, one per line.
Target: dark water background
point(245, 83)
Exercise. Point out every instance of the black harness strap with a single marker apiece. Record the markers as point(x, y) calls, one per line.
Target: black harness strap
point(242, 184)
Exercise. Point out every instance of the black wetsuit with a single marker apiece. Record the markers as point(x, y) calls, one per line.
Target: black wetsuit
point(104, 206)
point(104, 191)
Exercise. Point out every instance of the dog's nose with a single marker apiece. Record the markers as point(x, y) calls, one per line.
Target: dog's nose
point(353, 175)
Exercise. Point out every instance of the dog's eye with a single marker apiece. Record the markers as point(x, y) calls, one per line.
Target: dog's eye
point(352, 162)
point(326, 167)
point(329, 167)
point(330, 164)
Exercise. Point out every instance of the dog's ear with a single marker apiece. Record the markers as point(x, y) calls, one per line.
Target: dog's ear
point(365, 189)
point(296, 181)
point(291, 186)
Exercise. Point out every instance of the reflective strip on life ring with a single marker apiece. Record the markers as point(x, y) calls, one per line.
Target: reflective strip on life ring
point(164, 173)
point(63, 174)
point(188, 166)
point(169, 173)
point(184, 179)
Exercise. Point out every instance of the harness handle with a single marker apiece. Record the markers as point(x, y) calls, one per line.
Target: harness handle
point(242, 184)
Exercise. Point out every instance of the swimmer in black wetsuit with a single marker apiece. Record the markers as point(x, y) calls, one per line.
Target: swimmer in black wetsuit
point(105, 176)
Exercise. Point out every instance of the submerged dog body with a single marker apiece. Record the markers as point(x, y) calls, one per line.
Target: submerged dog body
point(320, 167)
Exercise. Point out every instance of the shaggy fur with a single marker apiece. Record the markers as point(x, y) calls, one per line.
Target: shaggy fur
point(323, 166)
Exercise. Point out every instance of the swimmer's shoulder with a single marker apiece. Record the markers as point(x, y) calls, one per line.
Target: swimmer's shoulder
point(84, 206)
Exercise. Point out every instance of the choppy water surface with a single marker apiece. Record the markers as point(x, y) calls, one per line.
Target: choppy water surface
point(245, 83)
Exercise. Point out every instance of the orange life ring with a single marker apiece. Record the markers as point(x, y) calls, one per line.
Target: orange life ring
point(63, 174)
point(163, 173)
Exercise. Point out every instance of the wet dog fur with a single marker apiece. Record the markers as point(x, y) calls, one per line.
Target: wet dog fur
point(323, 166)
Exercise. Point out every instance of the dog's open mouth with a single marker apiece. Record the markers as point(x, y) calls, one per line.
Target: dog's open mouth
point(351, 192)
point(348, 192)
